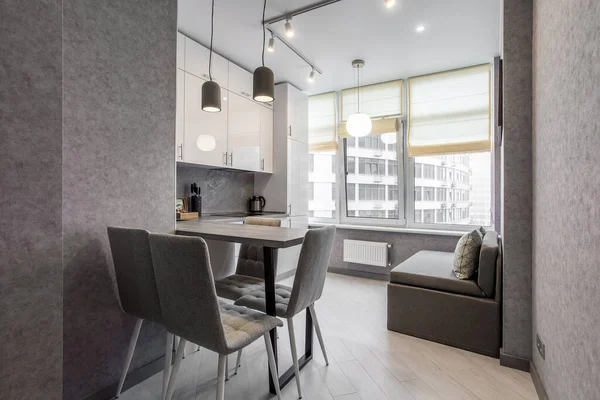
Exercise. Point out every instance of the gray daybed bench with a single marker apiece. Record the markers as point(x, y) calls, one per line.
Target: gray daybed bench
point(426, 299)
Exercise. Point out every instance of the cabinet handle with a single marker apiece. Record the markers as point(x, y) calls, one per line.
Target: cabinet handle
point(289, 209)
point(290, 222)
point(231, 159)
point(262, 164)
point(290, 131)
point(181, 151)
point(224, 158)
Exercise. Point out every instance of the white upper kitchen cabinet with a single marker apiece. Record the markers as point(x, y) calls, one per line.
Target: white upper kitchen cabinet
point(266, 140)
point(244, 133)
point(240, 81)
point(205, 133)
point(196, 63)
point(287, 188)
point(180, 51)
point(179, 114)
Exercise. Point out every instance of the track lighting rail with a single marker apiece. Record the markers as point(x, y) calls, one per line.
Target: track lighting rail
point(299, 11)
point(295, 50)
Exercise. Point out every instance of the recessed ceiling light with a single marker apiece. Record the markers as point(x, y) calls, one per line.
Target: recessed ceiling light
point(420, 28)
point(390, 3)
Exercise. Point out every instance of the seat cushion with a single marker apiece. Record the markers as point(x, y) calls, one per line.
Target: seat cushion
point(243, 326)
point(256, 300)
point(433, 270)
point(235, 286)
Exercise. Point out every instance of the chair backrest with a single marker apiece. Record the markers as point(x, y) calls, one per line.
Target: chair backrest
point(187, 291)
point(133, 273)
point(250, 261)
point(312, 269)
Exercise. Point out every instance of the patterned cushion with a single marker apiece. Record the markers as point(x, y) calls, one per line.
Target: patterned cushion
point(256, 300)
point(466, 255)
point(243, 326)
point(235, 286)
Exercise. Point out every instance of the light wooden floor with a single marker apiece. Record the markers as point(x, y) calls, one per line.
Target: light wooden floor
point(367, 362)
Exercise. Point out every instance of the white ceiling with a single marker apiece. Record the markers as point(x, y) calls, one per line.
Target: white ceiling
point(458, 33)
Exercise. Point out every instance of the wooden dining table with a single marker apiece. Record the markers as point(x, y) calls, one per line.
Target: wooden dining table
point(271, 239)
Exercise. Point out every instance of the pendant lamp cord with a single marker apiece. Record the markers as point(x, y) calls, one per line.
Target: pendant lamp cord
point(212, 27)
point(264, 33)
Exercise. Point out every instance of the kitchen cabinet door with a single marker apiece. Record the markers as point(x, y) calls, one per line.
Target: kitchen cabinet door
point(180, 51)
point(196, 63)
point(240, 81)
point(298, 178)
point(179, 114)
point(244, 135)
point(205, 134)
point(266, 139)
point(297, 115)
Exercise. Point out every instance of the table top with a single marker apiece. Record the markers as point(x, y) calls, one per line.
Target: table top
point(268, 236)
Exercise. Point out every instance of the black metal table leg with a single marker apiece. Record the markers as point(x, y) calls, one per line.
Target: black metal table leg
point(269, 261)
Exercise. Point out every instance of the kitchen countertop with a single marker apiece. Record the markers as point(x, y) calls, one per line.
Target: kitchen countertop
point(238, 216)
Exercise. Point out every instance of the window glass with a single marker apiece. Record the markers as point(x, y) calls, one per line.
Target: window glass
point(322, 198)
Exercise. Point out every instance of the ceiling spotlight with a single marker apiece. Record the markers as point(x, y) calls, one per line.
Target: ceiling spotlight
point(420, 28)
point(390, 3)
point(289, 31)
point(311, 77)
point(271, 46)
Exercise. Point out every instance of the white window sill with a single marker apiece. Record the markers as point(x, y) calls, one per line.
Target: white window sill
point(416, 231)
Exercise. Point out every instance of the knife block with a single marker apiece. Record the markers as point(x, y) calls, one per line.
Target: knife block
point(196, 204)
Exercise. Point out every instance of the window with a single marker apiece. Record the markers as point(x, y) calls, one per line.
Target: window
point(418, 193)
point(371, 192)
point(371, 142)
point(351, 192)
point(393, 168)
point(440, 194)
point(418, 170)
point(371, 166)
point(311, 163)
point(440, 216)
point(428, 171)
point(428, 194)
point(351, 165)
point(392, 192)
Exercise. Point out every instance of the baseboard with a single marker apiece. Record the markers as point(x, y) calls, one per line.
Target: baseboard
point(133, 378)
point(537, 382)
point(360, 274)
point(514, 362)
point(285, 274)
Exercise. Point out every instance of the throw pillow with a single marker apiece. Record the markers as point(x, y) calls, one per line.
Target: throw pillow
point(466, 255)
point(482, 231)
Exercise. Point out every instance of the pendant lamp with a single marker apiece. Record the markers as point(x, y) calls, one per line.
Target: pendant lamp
point(211, 91)
point(358, 124)
point(263, 80)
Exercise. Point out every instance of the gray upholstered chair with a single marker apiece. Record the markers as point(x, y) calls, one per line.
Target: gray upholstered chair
point(307, 288)
point(135, 283)
point(249, 272)
point(191, 310)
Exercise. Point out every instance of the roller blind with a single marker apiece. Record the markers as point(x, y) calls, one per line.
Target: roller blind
point(449, 112)
point(322, 122)
point(377, 101)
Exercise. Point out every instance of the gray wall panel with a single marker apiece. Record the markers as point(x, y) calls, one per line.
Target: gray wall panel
point(30, 201)
point(517, 178)
point(566, 301)
point(118, 169)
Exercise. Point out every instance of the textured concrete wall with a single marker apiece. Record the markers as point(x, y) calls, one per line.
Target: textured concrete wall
point(222, 190)
point(566, 252)
point(118, 169)
point(30, 200)
point(517, 179)
point(404, 245)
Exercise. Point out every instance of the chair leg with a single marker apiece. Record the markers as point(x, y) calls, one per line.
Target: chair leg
point(290, 324)
point(313, 314)
point(238, 363)
point(272, 364)
point(226, 368)
point(168, 361)
point(130, 350)
point(176, 366)
point(221, 377)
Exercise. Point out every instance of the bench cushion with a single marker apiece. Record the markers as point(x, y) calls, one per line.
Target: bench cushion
point(433, 270)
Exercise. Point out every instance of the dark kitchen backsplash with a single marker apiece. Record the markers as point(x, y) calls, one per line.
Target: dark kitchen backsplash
point(222, 190)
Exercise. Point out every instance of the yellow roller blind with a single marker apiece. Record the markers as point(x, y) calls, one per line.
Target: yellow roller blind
point(449, 112)
point(377, 101)
point(322, 122)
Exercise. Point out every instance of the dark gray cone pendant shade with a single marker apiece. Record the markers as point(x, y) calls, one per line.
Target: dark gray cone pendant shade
point(263, 84)
point(211, 96)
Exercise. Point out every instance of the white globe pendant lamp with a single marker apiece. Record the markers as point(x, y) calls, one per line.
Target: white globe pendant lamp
point(388, 138)
point(358, 124)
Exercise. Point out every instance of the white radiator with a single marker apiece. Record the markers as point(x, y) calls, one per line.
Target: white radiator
point(369, 253)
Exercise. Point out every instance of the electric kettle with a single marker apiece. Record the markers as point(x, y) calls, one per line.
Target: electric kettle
point(257, 204)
